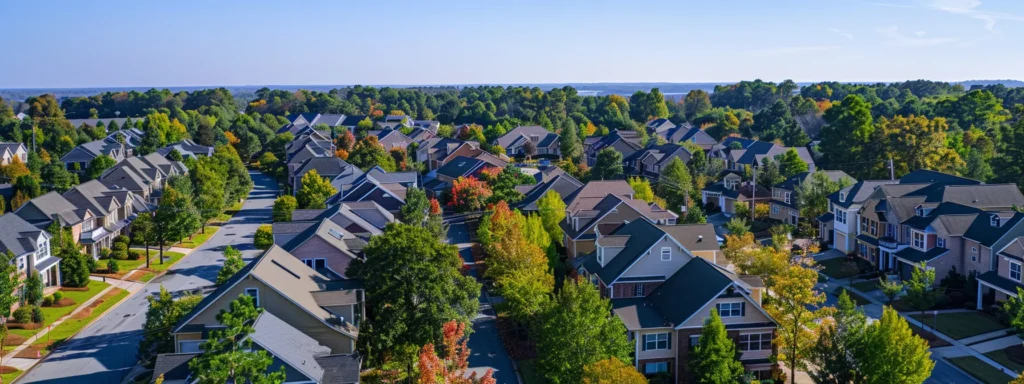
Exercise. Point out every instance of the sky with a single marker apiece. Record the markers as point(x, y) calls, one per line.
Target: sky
point(130, 43)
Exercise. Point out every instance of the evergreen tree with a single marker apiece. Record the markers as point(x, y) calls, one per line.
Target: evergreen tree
point(569, 142)
point(416, 206)
point(714, 359)
point(608, 166)
point(228, 354)
point(790, 163)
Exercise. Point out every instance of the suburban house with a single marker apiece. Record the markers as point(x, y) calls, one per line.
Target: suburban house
point(784, 204)
point(326, 310)
point(362, 218)
point(688, 133)
point(324, 246)
point(387, 190)
point(602, 206)
point(51, 206)
point(650, 161)
point(31, 248)
point(427, 125)
point(660, 125)
point(460, 166)
point(301, 121)
point(395, 122)
point(330, 167)
point(739, 153)
point(731, 191)
point(187, 149)
point(78, 158)
point(663, 282)
point(438, 151)
point(303, 358)
point(392, 138)
point(625, 142)
point(112, 210)
point(144, 176)
point(562, 183)
point(517, 141)
point(839, 226)
point(419, 135)
point(11, 151)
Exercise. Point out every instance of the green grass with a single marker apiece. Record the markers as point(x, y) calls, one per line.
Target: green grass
point(961, 325)
point(860, 300)
point(834, 268)
point(199, 238)
point(71, 326)
point(51, 314)
point(10, 377)
point(127, 265)
point(1000, 356)
point(980, 370)
point(867, 286)
point(528, 370)
point(230, 211)
point(172, 258)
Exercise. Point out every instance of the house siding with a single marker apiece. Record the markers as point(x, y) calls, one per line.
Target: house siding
point(753, 315)
point(650, 264)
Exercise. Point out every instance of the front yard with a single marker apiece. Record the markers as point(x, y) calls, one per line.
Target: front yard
point(836, 268)
point(1012, 357)
point(867, 285)
point(51, 314)
point(199, 238)
point(147, 274)
point(980, 370)
point(71, 326)
point(960, 325)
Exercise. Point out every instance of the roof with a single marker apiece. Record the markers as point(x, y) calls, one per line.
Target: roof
point(520, 132)
point(460, 166)
point(53, 204)
point(915, 256)
point(677, 299)
point(596, 143)
point(642, 236)
point(106, 121)
point(793, 181)
point(17, 235)
point(340, 369)
point(284, 342)
point(1006, 285)
point(857, 193)
point(593, 191)
point(693, 237)
point(563, 184)
point(173, 366)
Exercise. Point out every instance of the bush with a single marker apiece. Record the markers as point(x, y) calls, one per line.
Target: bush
point(134, 254)
point(104, 253)
point(48, 301)
point(23, 315)
point(91, 263)
point(122, 239)
point(119, 251)
point(57, 296)
point(112, 266)
point(37, 315)
point(956, 298)
point(970, 304)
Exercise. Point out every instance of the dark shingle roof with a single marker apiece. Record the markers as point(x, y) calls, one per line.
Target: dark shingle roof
point(642, 236)
point(915, 256)
point(173, 366)
point(340, 369)
point(688, 290)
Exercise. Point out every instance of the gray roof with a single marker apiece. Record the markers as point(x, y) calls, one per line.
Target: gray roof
point(563, 184)
point(93, 149)
point(106, 121)
point(173, 366)
point(291, 346)
point(17, 235)
point(340, 369)
point(49, 205)
point(187, 148)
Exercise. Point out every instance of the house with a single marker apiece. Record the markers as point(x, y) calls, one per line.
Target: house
point(783, 205)
point(326, 247)
point(112, 211)
point(11, 151)
point(726, 194)
point(839, 226)
point(663, 282)
point(438, 151)
point(144, 176)
point(602, 206)
point(395, 122)
point(303, 121)
point(650, 161)
point(659, 125)
point(331, 168)
point(428, 125)
point(420, 135)
point(562, 183)
point(688, 133)
point(362, 218)
point(387, 190)
point(302, 357)
point(187, 149)
point(51, 206)
point(516, 141)
point(284, 286)
point(392, 138)
point(31, 248)
point(465, 166)
point(739, 153)
point(1004, 251)
point(625, 142)
point(78, 159)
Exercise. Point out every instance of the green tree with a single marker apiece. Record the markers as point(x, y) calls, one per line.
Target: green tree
point(238, 183)
point(833, 355)
point(315, 191)
point(790, 163)
point(596, 334)
point(57, 177)
point(98, 165)
point(608, 166)
point(845, 137)
point(794, 297)
point(416, 206)
point(922, 294)
point(777, 123)
point(363, 126)
point(369, 153)
point(737, 226)
point(228, 353)
point(812, 194)
point(283, 208)
point(413, 286)
point(9, 281)
point(696, 103)
point(74, 269)
point(28, 186)
point(892, 353)
point(890, 288)
point(175, 218)
point(675, 184)
point(144, 231)
point(569, 142)
point(551, 209)
point(264, 237)
point(163, 313)
point(714, 359)
point(1009, 165)
point(503, 184)
point(34, 289)
point(208, 181)
point(232, 264)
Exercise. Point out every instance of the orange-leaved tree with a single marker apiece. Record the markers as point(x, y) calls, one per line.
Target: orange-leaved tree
point(450, 369)
point(468, 194)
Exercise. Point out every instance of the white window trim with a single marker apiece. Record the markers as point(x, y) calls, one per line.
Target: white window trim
point(656, 339)
point(940, 242)
point(638, 290)
point(913, 240)
point(256, 297)
point(1012, 264)
point(666, 251)
point(760, 339)
point(723, 314)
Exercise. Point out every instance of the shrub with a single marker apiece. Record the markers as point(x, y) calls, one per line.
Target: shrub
point(91, 263)
point(37, 315)
point(119, 251)
point(105, 253)
point(48, 301)
point(57, 296)
point(122, 239)
point(23, 315)
point(112, 266)
point(956, 298)
point(134, 254)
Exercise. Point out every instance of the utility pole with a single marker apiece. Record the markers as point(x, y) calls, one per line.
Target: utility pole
point(753, 193)
point(892, 172)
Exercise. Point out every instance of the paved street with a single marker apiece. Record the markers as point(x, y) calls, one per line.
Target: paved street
point(105, 351)
point(488, 352)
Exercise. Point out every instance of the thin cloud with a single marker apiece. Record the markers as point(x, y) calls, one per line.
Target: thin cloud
point(893, 5)
point(791, 50)
point(847, 35)
point(970, 9)
point(895, 38)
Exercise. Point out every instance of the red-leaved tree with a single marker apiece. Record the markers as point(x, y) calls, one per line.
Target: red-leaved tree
point(468, 194)
point(435, 207)
point(451, 369)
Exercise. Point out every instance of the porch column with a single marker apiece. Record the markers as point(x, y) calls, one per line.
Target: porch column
point(980, 286)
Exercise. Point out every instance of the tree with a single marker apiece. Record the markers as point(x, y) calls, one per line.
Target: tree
point(812, 193)
point(143, 230)
point(161, 315)
point(28, 186)
point(777, 123)
point(794, 296)
point(519, 268)
point(696, 103)
point(1013, 307)
point(34, 289)
point(98, 165)
point(9, 281)
point(19, 200)
point(283, 208)
point(890, 288)
point(59, 178)
point(369, 153)
point(737, 226)
point(416, 205)
point(363, 126)
point(768, 174)
point(891, 353)
point(922, 294)
point(596, 334)
point(503, 183)
point(264, 237)
point(228, 354)
point(208, 180)
point(413, 286)
point(174, 155)
point(833, 355)
point(845, 138)
point(675, 184)
point(612, 371)
point(452, 368)
point(569, 142)
point(551, 209)
point(642, 191)
point(232, 264)
point(790, 163)
point(175, 218)
point(714, 359)
point(913, 143)
point(315, 191)
point(608, 166)
point(1009, 164)
point(468, 194)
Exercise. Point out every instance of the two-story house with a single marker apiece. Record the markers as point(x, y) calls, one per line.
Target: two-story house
point(650, 161)
point(330, 168)
point(31, 248)
point(438, 151)
point(625, 142)
point(43, 210)
point(144, 176)
point(740, 153)
point(663, 282)
point(112, 209)
point(731, 191)
point(187, 149)
point(687, 133)
point(516, 141)
point(602, 206)
point(783, 205)
point(839, 226)
point(659, 125)
point(11, 151)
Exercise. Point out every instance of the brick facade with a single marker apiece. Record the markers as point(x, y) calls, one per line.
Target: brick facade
point(626, 290)
point(683, 350)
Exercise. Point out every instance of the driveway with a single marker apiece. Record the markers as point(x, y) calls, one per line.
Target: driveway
point(106, 350)
point(488, 351)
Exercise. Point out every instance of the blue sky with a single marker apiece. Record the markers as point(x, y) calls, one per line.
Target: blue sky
point(190, 43)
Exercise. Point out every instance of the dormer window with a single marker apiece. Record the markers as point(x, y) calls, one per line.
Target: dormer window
point(994, 220)
point(919, 211)
point(842, 196)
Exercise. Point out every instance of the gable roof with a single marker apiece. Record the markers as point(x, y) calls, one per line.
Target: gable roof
point(17, 235)
point(563, 184)
point(677, 299)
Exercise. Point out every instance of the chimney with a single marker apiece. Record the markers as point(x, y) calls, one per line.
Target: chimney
point(700, 238)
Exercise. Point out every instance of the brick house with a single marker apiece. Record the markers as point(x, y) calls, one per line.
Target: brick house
point(783, 205)
point(604, 206)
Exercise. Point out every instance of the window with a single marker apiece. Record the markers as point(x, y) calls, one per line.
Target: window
point(315, 263)
point(656, 341)
point(638, 290)
point(694, 341)
point(787, 197)
point(840, 216)
point(600, 255)
point(918, 240)
point(890, 230)
point(974, 249)
point(87, 225)
point(1015, 271)
point(756, 342)
point(730, 309)
point(21, 263)
point(940, 242)
point(994, 220)
point(842, 196)
point(189, 346)
point(255, 293)
point(666, 253)
point(974, 257)
point(654, 368)
point(775, 208)
point(864, 224)
point(874, 228)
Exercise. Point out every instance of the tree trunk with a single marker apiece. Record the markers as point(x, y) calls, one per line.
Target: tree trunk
point(147, 255)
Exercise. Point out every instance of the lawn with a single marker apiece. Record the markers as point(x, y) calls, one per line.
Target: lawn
point(980, 370)
point(960, 325)
point(71, 326)
point(860, 300)
point(1002, 356)
point(125, 266)
point(867, 285)
point(51, 314)
point(834, 268)
point(528, 370)
point(145, 275)
point(198, 238)
point(230, 211)
point(10, 377)
point(932, 340)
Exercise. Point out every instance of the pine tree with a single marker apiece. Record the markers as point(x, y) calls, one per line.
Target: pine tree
point(228, 354)
point(714, 360)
